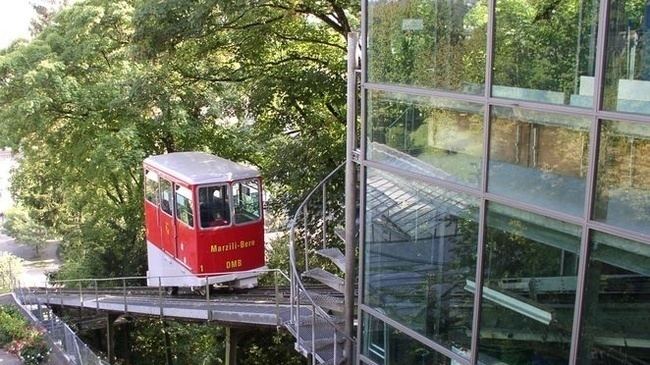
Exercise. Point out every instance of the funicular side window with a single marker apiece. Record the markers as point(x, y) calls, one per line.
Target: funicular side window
point(246, 199)
point(151, 187)
point(166, 196)
point(184, 205)
point(214, 208)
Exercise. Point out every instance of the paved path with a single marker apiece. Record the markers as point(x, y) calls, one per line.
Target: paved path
point(34, 266)
point(8, 359)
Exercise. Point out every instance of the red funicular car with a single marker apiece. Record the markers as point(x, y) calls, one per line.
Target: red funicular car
point(203, 216)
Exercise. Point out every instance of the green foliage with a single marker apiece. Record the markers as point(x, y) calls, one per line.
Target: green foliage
point(148, 338)
point(10, 268)
point(23, 228)
point(268, 347)
point(20, 338)
point(12, 325)
point(106, 83)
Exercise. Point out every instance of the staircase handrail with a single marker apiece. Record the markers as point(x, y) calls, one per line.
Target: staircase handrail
point(293, 264)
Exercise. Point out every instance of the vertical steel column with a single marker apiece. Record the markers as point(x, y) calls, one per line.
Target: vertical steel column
point(324, 212)
point(350, 195)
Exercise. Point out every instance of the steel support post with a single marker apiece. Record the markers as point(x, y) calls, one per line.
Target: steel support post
point(350, 196)
point(231, 346)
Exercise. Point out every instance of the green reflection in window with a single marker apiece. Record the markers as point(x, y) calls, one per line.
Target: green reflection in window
point(623, 182)
point(545, 51)
point(385, 345)
point(616, 313)
point(627, 73)
point(438, 137)
point(530, 276)
point(431, 43)
point(420, 251)
point(539, 158)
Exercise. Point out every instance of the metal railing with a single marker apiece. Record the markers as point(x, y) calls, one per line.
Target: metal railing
point(309, 233)
point(59, 333)
point(89, 288)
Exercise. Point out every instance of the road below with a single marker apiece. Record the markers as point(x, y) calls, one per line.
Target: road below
point(35, 266)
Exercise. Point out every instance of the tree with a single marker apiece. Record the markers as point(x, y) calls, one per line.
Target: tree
point(10, 269)
point(24, 229)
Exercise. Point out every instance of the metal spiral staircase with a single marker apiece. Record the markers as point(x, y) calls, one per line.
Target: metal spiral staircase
point(323, 225)
point(317, 321)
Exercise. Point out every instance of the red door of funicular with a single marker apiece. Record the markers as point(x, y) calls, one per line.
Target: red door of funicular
point(185, 226)
point(167, 224)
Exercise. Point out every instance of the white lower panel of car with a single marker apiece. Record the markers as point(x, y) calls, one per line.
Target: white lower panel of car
point(164, 271)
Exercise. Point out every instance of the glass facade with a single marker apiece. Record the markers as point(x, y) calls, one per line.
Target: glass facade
point(505, 173)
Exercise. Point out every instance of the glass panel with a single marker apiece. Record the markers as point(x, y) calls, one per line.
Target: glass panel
point(616, 324)
point(438, 137)
point(539, 158)
point(213, 206)
point(246, 195)
point(623, 181)
point(545, 51)
point(166, 196)
point(627, 73)
point(420, 251)
point(431, 43)
point(151, 187)
point(385, 345)
point(531, 265)
point(184, 210)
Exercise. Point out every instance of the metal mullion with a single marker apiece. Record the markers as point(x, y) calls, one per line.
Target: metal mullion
point(627, 117)
point(601, 54)
point(361, 262)
point(478, 292)
point(584, 239)
point(590, 196)
point(487, 111)
point(454, 187)
point(416, 91)
point(414, 335)
point(550, 213)
point(616, 231)
point(364, 42)
point(489, 50)
point(541, 107)
point(363, 139)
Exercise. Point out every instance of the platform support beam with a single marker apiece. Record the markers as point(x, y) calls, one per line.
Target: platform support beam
point(231, 346)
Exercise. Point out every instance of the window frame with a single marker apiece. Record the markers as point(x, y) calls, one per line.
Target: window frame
point(259, 201)
point(200, 217)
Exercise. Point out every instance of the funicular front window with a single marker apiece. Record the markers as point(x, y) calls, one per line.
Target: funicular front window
point(246, 197)
point(214, 208)
point(184, 205)
point(151, 187)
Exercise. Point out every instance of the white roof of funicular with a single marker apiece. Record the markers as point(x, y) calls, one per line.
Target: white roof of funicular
point(200, 168)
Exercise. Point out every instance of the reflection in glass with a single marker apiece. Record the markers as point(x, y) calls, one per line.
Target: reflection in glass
point(539, 158)
point(438, 137)
point(545, 51)
point(430, 43)
point(627, 73)
point(531, 265)
point(623, 182)
point(420, 251)
point(385, 345)
point(616, 314)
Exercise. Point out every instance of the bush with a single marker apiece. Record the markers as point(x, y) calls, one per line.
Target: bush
point(23, 340)
point(12, 325)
